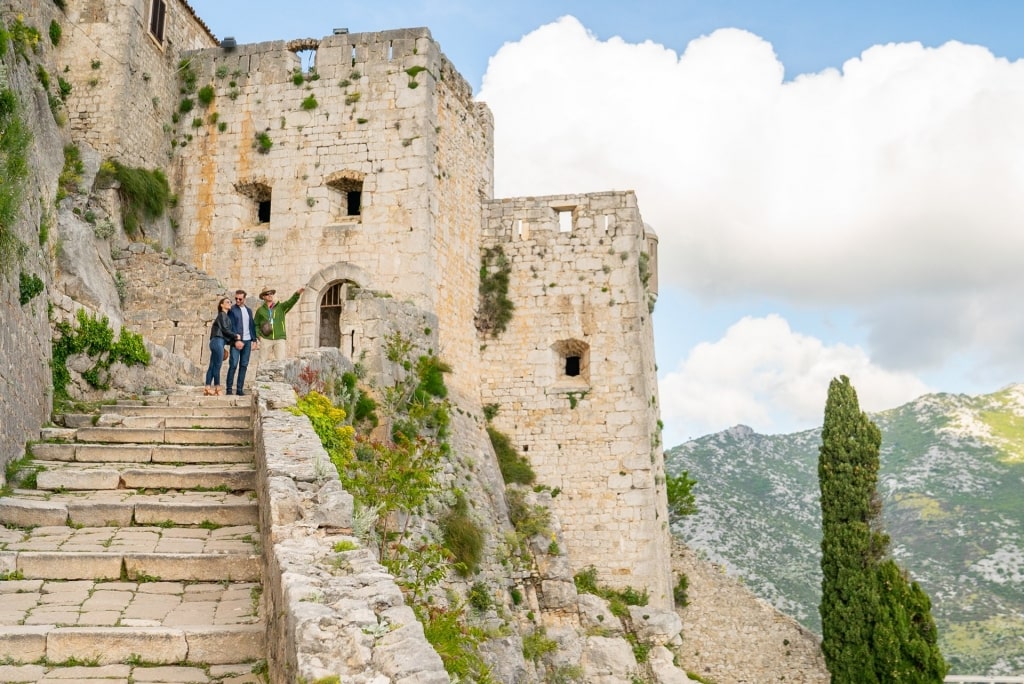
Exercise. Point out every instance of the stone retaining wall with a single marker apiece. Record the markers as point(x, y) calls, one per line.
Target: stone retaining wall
point(329, 613)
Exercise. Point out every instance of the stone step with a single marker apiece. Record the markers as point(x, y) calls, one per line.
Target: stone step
point(177, 411)
point(232, 673)
point(122, 507)
point(72, 475)
point(169, 553)
point(117, 645)
point(141, 453)
point(158, 421)
point(127, 435)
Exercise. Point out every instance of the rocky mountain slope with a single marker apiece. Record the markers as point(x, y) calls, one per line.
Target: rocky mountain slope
point(952, 479)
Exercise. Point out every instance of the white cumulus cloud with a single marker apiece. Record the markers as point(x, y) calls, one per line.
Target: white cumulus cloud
point(889, 188)
point(764, 375)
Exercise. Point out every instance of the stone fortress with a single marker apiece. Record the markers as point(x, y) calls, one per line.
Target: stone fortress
point(359, 167)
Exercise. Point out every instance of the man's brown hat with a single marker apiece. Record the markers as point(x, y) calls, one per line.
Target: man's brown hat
point(267, 290)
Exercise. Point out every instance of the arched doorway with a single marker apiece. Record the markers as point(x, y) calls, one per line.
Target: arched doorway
point(332, 304)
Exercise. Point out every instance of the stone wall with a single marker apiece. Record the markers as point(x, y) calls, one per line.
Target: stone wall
point(169, 302)
point(732, 637)
point(383, 123)
point(330, 613)
point(124, 81)
point(575, 381)
point(25, 349)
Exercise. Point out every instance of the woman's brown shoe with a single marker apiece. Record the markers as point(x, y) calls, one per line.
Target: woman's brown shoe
point(207, 391)
point(216, 390)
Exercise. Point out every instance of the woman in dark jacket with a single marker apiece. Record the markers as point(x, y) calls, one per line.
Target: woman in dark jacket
point(220, 337)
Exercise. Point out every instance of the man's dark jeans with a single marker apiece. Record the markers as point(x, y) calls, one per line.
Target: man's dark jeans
point(240, 362)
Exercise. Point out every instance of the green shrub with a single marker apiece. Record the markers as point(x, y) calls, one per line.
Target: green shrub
point(29, 285)
point(480, 597)
point(495, 308)
point(537, 644)
point(55, 32)
point(309, 103)
point(95, 338)
point(14, 146)
point(679, 490)
point(456, 643)
point(679, 592)
point(515, 469)
point(530, 520)
point(144, 195)
point(71, 174)
point(463, 537)
point(205, 95)
point(263, 143)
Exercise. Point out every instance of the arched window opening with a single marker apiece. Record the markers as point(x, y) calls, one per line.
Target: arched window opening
point(332, 305)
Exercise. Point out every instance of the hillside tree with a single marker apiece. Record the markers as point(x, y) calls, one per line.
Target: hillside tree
point(876, 624)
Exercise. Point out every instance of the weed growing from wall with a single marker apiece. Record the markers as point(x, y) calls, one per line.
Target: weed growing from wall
point(495, 309)
point(205, 95)
point(55, 32)
point(15, 139)
point(144, 194)
point(463, 537)
point(263, 143)
point(95, 338)
point(29, 285)
point(71, 174)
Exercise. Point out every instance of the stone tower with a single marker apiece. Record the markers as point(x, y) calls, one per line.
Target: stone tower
point(574, 377)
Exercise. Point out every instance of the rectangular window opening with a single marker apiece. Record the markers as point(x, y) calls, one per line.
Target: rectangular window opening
point(263, 212)
point(564, 220)
point(157, 16)
point(391, 50)
point(353, 199)
point(572, 366)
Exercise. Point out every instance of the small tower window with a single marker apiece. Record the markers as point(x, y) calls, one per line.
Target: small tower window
point(157, 15)
point(258, 193)
point(573, 359)
point(346, 195)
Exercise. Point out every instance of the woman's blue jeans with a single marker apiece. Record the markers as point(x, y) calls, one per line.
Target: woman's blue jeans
point(216, 360)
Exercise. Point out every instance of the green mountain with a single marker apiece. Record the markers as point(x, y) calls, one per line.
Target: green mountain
point(952, 484)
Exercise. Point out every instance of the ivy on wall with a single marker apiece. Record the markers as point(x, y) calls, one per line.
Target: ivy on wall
point(95, 338)
point(495, 310)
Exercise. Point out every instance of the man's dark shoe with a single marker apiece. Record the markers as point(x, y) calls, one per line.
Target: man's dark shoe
point(240, 393)
point(229, 392)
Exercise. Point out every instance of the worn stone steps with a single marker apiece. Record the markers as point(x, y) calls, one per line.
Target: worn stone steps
point(122, 435)
point(135, 557)
point(123, 507)
point(58, 475)
point(238, 673)
point(141, 453)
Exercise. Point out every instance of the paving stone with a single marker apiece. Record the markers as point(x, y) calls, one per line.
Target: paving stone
point(195, 567)
point(220, 513)
point(113, 453)
point(16, 674)
point(176, 674)
point(176, 453)
point(95, 514)
point(212, 436)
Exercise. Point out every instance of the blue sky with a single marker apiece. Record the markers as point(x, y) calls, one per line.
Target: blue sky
point(834, 184)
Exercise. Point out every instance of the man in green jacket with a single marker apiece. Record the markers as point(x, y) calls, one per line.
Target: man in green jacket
point(269, 319)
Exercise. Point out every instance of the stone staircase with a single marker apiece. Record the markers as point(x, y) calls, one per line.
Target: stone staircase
point(130, 548)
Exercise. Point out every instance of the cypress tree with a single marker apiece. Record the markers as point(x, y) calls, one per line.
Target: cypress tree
point(876, 625)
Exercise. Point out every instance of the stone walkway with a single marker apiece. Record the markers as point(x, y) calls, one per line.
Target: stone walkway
point(130, 549)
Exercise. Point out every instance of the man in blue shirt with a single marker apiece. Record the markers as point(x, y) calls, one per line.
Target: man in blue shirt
point(244, 330)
